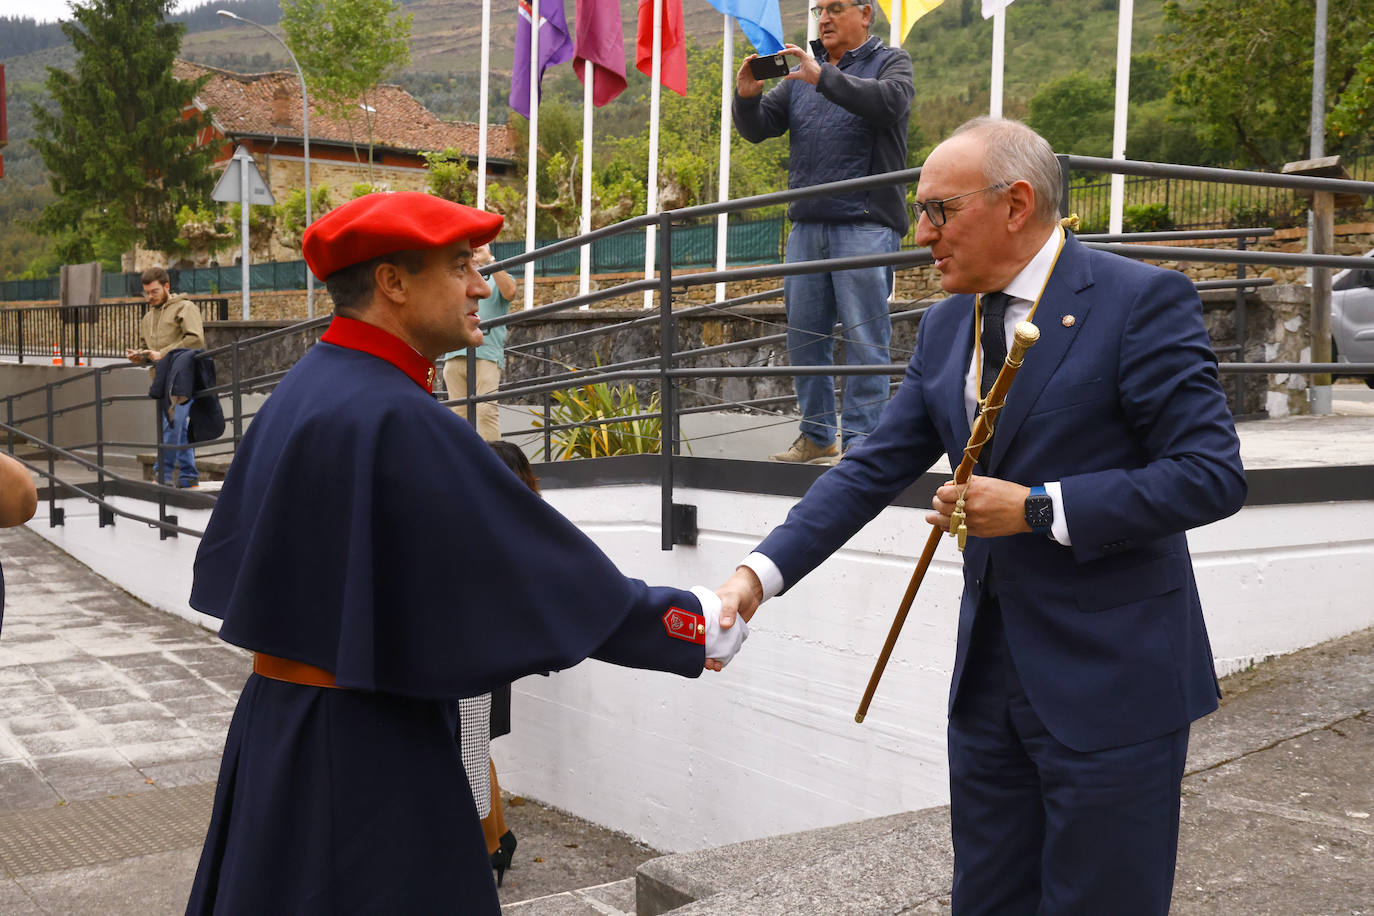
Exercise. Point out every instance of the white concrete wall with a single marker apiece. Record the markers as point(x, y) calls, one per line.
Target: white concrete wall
point(770, 745)
point(129, 553)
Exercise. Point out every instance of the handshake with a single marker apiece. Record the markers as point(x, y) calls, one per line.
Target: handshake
point(728, 610)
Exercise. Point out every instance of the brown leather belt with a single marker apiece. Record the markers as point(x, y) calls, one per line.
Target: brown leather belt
point(284, 669)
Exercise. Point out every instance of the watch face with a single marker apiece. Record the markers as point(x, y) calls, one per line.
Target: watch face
point(1039, 512)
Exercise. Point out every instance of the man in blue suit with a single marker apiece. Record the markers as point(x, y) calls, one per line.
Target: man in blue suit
point(1082, 655)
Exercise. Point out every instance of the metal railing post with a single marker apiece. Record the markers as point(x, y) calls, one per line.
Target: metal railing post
point(19, 315)
point(470, 363)
point(54, 512)
point(545, 370)
point(106, 516)
point(1239, 322)
point(237, 394)
point(667, 344)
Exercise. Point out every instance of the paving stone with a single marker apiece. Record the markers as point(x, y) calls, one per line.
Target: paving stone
point(14, 900)
point(184, 773)
point(22, 787)
point(187, 707)
point(76, 763)
point(160, 673)
point(179, 750)
point(137, 711)
point(49, 744)
point(190, 686)
point(137, 660)
point(43, 705)
point(152, 885)
point(145, 732)
point(87, 700)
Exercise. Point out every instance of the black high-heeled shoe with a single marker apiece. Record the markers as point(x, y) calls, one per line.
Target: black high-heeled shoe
point(501, 858)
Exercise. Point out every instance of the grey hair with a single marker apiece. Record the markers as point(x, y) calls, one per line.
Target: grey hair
point(1013, 152)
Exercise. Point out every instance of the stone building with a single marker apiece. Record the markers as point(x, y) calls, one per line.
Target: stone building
point(262, 112)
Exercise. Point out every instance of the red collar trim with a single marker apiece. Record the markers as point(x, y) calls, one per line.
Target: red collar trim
point(359, 335)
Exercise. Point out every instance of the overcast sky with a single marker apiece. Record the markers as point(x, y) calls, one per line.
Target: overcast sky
point(53, 10)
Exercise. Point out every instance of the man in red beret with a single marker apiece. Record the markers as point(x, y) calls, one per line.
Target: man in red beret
point(331, 556)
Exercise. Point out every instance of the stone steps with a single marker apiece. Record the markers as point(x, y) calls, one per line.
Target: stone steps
point(901, 863)
point(614, 899)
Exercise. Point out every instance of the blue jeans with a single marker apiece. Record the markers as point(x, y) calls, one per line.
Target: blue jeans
point(174, 433)
point(857, 299)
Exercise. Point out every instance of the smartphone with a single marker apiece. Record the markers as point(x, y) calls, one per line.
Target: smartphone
point(770, 67)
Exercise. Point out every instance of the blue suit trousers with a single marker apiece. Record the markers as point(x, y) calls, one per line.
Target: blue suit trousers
point(1040, 828)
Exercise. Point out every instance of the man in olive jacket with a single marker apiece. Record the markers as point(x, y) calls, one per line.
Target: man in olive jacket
point(172, 322)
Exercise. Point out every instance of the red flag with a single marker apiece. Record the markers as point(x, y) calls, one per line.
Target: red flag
point(674, 44)
point(601, 40)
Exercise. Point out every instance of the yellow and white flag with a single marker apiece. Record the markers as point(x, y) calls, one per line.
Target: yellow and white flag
point(911, 11)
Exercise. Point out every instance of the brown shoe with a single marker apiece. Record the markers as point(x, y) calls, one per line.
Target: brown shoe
point(806, 451)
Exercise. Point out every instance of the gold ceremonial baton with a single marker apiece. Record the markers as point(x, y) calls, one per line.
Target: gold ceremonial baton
point(1026, 335)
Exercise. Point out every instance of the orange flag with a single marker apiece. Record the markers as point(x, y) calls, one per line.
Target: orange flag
point(674, 65)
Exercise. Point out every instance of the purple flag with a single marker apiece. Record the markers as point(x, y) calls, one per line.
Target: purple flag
point(555, 47)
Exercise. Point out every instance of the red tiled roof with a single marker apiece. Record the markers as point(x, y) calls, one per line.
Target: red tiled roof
point(245, 103)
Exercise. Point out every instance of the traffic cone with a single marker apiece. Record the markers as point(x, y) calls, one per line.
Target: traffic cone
point(78, 358)
point(56, 356)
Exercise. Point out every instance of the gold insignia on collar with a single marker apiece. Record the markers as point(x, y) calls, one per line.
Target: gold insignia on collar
point(1067, 321)
point(429, 379)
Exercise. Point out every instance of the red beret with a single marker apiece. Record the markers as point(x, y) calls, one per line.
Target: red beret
point(378, 224)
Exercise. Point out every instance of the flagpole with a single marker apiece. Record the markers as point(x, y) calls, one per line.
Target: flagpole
point(482, 107)
point(533, 151)
point(727, 96)
point(584, 283)
point(655, 92)
point(1123, 91)
point(999, 43)
point(898, 8)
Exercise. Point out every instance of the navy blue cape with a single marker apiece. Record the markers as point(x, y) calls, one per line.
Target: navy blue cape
point(366, 530)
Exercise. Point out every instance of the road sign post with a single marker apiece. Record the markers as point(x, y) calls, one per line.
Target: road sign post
point(243, 182)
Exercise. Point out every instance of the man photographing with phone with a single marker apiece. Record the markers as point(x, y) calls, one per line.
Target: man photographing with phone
point(846, 109)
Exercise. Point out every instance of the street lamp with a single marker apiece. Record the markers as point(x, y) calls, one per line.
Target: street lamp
point(305, 121)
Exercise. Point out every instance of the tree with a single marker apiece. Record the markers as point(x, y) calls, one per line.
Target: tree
point(1353, 114)
point(346, 48)
point(1245, 69)
point(1074, 113)
point(450, 177)
point(121, 148)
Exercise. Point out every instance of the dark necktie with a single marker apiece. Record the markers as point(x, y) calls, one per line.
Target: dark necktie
point(994, 339)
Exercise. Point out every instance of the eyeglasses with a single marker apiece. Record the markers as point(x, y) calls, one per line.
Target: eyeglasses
point(935, 209)
point(834, 9)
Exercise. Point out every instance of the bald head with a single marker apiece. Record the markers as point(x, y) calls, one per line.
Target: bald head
point(993, 187)
point(1012, 152)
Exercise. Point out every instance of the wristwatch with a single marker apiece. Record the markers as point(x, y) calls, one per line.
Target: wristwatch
point(1039, 511)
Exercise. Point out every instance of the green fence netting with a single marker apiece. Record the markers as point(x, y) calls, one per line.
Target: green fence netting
point(694, 247)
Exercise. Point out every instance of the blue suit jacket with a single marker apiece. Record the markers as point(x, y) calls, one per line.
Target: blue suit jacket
point(1124, 408)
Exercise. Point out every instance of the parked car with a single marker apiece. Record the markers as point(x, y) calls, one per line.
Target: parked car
point(1352, 315)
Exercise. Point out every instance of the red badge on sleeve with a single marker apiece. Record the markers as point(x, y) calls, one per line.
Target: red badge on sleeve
point(682, 624)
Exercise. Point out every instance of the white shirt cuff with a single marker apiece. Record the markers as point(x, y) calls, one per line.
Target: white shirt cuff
point(720, 644)
point(1059, 530)
point(770, 577)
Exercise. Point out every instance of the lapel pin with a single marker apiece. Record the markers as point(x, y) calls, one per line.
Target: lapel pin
point(1067, 321)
